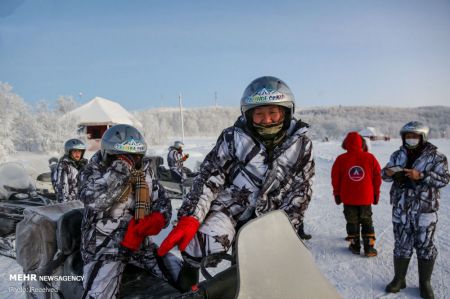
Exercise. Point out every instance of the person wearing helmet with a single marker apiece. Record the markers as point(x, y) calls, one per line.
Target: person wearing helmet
point(417, 171)
point(65, 174)
point(124, 205)
point(175, 159)
point(262, 163)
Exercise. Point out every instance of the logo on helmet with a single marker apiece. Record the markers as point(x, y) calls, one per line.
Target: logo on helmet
point(130, 146)
point(264, 96)
point(356, 173)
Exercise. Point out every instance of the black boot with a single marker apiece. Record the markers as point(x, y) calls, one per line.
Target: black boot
point(368, 236)
point(355, 245)
point(187, 278)
point(369, 250)
point(222, 286)
point(354, 238)
point(301, 233)
point(425, 271)
point(399, 282)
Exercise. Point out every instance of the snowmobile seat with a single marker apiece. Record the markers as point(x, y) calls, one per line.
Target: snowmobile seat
point(164, 174)
point(68, 234)
point(68, 237)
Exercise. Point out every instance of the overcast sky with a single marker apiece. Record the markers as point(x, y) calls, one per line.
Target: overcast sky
point(143, 53)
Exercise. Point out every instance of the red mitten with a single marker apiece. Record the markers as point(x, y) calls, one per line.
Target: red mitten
point(180, 235)
point(132, 239)
point(151, 225)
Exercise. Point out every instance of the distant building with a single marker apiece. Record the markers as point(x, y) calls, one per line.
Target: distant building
point(373, 134)
point(96, 116)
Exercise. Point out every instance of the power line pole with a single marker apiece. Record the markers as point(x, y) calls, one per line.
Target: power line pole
point(215, 99)
point(181, 117)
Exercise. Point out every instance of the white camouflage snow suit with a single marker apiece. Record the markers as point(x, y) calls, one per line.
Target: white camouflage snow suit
point(66, 184)
point(175, 162)
point(105, 223)
point(415, 204)
point(238, 181)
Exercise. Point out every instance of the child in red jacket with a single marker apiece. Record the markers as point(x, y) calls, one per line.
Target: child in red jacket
point(356, 179)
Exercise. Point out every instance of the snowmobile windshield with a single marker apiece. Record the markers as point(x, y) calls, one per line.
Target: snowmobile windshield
point(14, 179)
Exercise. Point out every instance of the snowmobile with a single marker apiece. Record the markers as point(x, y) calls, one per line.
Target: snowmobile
point(174, 189)
point(264, 268)
point(17, 192)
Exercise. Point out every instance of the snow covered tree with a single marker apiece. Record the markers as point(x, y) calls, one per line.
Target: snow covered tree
point(13, 119)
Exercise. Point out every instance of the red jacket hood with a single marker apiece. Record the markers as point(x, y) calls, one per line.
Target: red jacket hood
point(353, 142)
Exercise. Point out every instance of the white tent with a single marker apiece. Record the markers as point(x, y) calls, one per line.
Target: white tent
point(373, 134)
point(96, 116)
point(369, 132)
point(103, 111)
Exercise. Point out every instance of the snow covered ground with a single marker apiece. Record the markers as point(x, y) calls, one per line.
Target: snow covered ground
point(353, 276)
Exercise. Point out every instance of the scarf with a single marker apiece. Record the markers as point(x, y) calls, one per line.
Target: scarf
point(271, 135)
point(142, 198)
point(268, 132)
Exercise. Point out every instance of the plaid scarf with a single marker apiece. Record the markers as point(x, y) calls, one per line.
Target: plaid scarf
point(141, 194)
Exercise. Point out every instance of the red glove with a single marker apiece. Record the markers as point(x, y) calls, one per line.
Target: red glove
point(375, 199)
point(132, 239)
point(151, 225)
point(136, 232)
point(180, 235)
point(185, 157)
point(337, 199)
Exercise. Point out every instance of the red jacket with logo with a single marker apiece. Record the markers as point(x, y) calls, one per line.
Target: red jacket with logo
point(355, 175)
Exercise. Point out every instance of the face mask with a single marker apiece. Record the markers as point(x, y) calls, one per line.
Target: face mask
point(268, 131)
point(411, 143)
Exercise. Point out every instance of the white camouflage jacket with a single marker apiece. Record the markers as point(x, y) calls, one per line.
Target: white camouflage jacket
point(239, 179)
point(66, 184)
point(106, 219)
point(422, 196)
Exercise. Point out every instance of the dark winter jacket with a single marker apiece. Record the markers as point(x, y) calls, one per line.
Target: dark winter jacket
point(66, 184)
point(355, 175)
point(239, 179)
point(423, 195)
point(106, 216)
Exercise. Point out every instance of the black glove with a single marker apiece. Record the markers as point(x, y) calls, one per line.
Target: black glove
point(302, 234)
point(400, 177)
point(375, 199)
point(337, 199)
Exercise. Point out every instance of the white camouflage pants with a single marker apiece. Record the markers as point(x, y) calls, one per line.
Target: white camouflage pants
point(413, 230)
point(216, 235)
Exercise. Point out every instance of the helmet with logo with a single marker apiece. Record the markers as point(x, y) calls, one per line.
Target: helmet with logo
point(123, 139)
point(415, 127)
point(178, 145)
point(74, 144)
point(267, 91)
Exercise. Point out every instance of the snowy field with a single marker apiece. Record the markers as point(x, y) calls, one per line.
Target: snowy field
point(353, 276)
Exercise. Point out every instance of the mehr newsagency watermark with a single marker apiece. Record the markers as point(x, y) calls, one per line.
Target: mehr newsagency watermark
point(41, 278)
